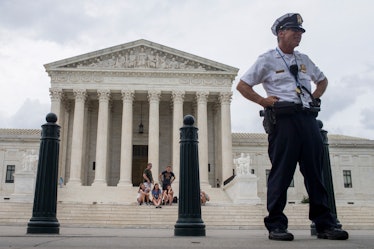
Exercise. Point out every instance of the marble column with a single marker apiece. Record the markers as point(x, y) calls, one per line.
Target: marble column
point(77, 138)
point(153, 137)
point(226, 137)
point(202, 124)
point(217, 144)
point(57, 97)
point(126, 138)
point(64, 146)
point(177, 98)
point(102, 138)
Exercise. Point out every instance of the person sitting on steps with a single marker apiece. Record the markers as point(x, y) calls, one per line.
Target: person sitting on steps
point(167, 196)
point(156, 195)
point(143, 194)
point(204, 197)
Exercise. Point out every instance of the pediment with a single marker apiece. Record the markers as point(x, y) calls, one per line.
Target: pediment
point(140, 55)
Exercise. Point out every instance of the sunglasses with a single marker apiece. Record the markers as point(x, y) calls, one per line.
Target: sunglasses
point(295, 29)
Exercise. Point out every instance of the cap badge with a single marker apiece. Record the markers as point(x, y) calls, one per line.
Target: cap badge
point(299, 19)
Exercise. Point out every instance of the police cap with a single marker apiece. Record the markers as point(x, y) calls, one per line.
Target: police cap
point(290, 20)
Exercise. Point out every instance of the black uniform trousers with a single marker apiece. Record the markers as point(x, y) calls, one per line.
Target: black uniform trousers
point(296, 139)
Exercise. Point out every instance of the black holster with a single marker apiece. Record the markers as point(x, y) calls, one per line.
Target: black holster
point(269, 120)
point(270, 114)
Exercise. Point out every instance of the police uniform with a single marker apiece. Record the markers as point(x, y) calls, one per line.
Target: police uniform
point(296, 137)
point(272, 70)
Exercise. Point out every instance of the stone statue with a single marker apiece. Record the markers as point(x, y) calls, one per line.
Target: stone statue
point(30, 161)
point(243, 164)
point(141, 60)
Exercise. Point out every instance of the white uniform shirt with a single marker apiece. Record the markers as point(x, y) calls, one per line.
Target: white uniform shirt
point(273, 72)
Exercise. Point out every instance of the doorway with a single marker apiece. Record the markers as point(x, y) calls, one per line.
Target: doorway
point(139, 163)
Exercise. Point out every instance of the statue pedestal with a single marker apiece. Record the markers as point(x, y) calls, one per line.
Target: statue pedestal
point(243, 189)
point(24, 186)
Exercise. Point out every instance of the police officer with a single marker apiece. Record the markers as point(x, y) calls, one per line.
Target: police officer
point(286, 76)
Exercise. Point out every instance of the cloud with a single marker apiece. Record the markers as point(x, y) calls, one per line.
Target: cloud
point(61, 23)
point(31, 115)
point(367, 118)
point(33, 33)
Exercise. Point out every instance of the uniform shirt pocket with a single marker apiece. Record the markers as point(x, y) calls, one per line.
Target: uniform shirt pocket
point(282, 83)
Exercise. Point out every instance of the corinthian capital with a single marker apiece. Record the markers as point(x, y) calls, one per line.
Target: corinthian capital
point(80, 94)
point(225, 97)
point(154, 96)
point(56, 94)
point(201, 97)
point(177, 96)
point(128, 95)
point(103, 94)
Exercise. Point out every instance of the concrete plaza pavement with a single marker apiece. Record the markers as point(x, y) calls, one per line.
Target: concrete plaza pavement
point(110, 238)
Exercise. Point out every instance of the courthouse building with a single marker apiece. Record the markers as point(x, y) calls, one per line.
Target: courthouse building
point(122, 107)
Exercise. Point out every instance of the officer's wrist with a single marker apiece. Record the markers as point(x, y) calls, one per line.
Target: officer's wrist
point(261, 102)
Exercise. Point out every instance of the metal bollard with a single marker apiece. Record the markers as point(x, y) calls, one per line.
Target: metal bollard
point(43, 220)
point(327, 177)
point(326, 173)
point(189, 221)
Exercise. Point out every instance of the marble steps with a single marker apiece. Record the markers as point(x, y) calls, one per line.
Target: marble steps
point(214, 216)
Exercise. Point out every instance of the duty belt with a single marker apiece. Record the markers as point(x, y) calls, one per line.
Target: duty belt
point(287, 108)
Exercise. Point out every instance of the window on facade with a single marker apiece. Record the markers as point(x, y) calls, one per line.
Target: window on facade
point(267, 176)
point(347, 176)
point(10, 169)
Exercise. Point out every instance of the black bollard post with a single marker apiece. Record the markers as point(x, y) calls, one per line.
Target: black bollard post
point(43, 220)
point(327, 177)
point(326, 172)
point(189, 221)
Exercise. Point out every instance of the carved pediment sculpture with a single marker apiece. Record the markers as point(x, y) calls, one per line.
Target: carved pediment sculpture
point(142, 57)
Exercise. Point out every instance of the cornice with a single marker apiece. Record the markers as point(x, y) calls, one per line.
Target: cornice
point(334, 141)
point(89, 74)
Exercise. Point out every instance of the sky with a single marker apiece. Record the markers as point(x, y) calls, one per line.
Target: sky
point(338, 39)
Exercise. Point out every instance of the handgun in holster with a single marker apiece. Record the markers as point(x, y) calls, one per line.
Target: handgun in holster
point(269, 119)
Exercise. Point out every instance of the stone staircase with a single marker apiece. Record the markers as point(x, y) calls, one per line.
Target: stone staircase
point(214, 215)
